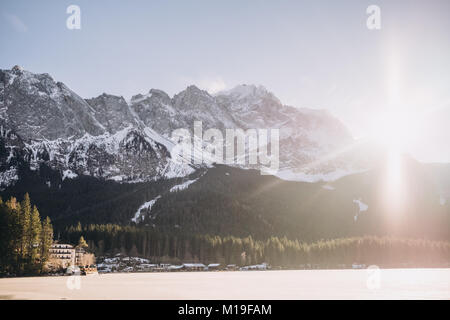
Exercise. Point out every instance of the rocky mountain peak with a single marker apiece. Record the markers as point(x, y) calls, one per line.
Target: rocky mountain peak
point(192, 96)
point(244, 90)
point(112, 112)
point(17, 69)
point(36, 107)
point(159, 93)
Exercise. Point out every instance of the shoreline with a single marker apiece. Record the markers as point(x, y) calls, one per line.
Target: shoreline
point(221, 271)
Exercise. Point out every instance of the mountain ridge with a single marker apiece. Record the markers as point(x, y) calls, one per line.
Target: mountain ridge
point(56, 124)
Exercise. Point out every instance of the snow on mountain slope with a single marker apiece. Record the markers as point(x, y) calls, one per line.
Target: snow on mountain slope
point(129, 154)
point(362, 208)
point(146, 206)
point(362, 205)
point(69, 174)
point(145, 209)
point(310, 140)
point(8, 178)
point(182, 186)
point(109, 138)
point(45, 122)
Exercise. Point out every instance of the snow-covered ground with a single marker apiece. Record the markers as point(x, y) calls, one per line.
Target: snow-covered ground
point(261, 285)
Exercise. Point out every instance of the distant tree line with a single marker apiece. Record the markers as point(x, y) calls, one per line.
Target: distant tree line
point(110, 239)
point(24, 239)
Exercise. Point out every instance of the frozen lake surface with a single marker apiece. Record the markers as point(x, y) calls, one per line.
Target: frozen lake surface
point(302, 284)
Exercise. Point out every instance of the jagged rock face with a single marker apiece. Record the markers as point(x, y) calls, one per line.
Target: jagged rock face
point(43, 121)
point(245, 100)
point(158, 111)
point(194, 104)
point(305, 134)
point(11, 153)
point(125, 156)
point(112, 112)
point(156, 107)
point(36, 107)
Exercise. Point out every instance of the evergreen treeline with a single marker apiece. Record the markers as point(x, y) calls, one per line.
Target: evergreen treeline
point(24, 239)
point(160, 247)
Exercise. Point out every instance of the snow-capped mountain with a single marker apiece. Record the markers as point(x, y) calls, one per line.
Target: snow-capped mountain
point(310, 140)
point(43, 121)
point(306, 135)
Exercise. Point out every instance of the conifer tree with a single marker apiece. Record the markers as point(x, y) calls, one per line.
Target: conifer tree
point(35, 234)
point(82, 243)
point(46, 240)
point(25, 234)
point(5, 238)
point(23, 239)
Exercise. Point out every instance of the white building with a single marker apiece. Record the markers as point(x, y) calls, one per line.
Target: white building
point(65, 255)
point(79, 254)
point(62, 255)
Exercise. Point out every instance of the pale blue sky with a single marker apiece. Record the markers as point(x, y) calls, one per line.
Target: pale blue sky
point(316, 54)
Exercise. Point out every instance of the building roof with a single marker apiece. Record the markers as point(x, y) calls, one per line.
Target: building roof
point(212, 265)
point(193, 265)
point(61, 246)
point(174, 267)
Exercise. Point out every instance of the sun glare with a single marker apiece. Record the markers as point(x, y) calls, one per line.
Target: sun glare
point(396, 134)
point(393, 132)
point(395, 129)
point(394, 190)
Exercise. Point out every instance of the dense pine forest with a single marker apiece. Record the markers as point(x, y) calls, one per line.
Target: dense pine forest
point(180, 247)
point(231, 201)
point(24, 239)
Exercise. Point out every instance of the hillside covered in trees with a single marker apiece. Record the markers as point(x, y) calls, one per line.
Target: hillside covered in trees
point(230, 201)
